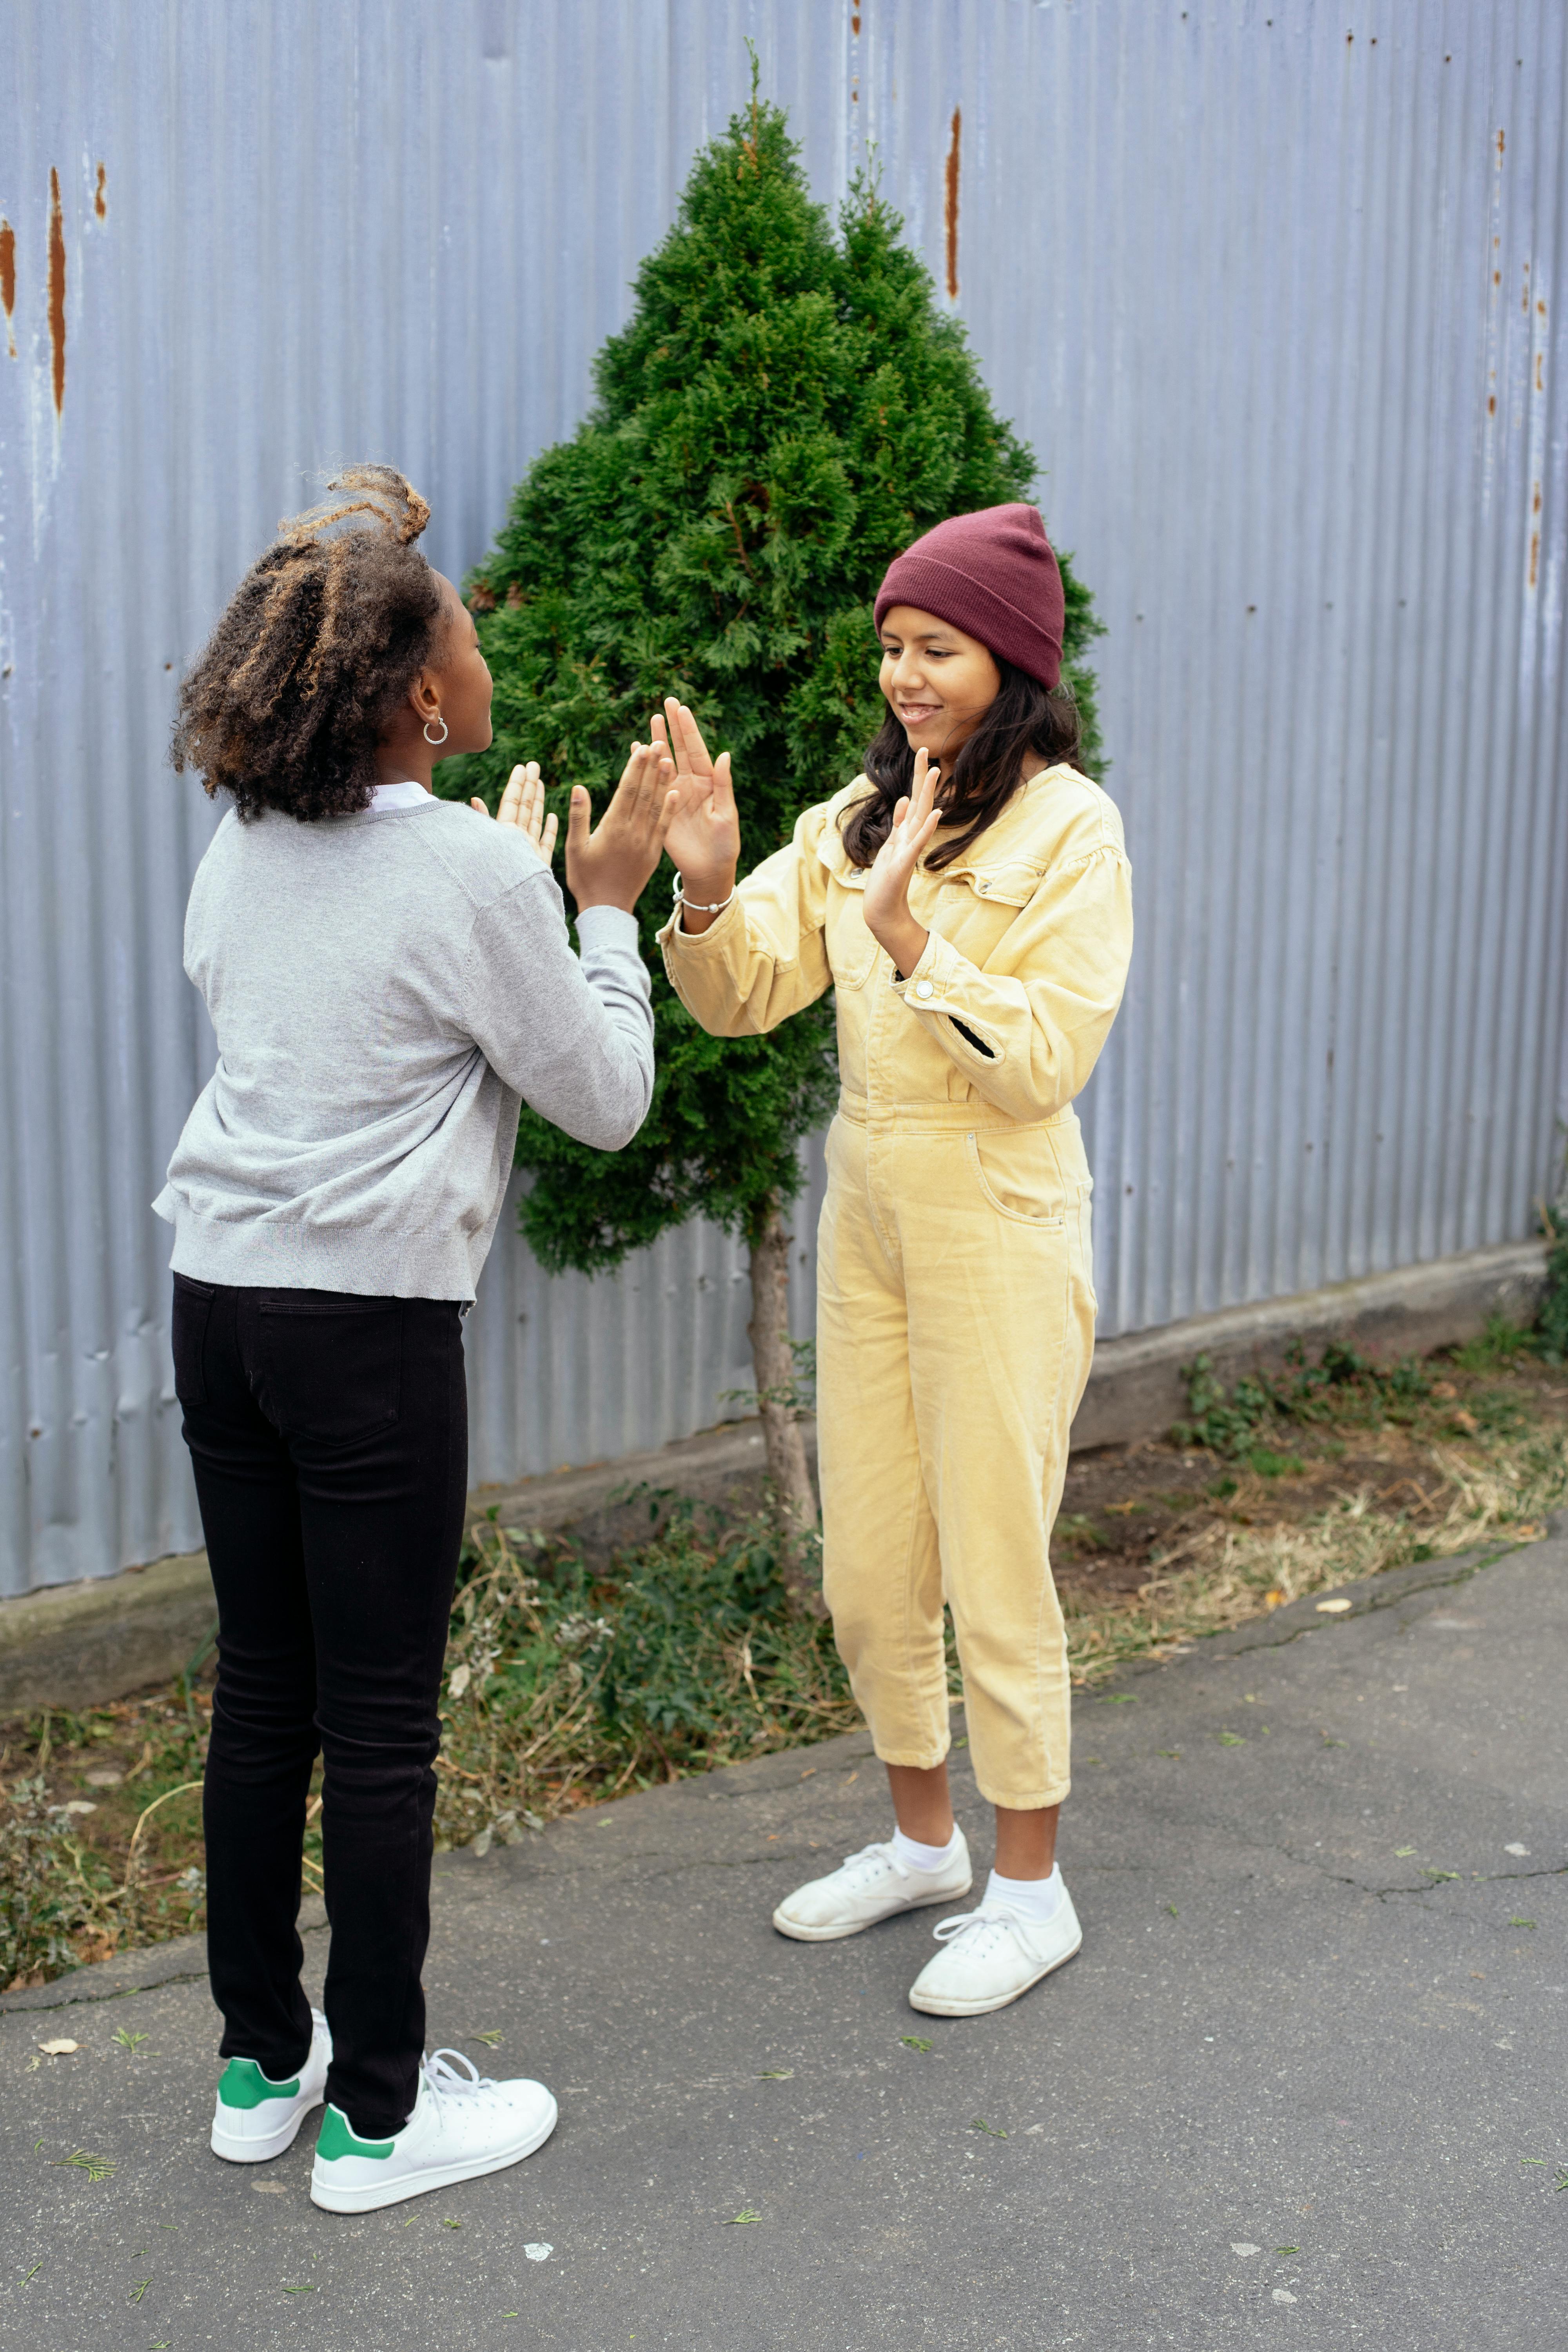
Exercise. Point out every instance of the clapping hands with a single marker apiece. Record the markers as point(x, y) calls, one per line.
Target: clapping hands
point(610, 865)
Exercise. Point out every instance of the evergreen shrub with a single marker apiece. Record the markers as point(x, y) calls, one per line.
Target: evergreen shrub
point(787, 408)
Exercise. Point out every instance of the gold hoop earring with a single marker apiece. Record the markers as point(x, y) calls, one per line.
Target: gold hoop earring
point(440, 738)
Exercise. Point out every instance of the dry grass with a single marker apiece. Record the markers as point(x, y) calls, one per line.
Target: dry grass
point(1226, 1573)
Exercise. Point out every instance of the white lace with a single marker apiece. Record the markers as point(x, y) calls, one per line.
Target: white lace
point(990, 1915)
point(874, 1853)
point(444, 2083)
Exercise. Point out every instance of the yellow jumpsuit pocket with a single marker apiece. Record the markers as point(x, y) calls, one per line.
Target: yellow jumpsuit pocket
point(1018, 1176)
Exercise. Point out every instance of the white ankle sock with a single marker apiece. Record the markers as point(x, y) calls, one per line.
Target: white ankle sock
point(924, 1857)
point(1032, 1898)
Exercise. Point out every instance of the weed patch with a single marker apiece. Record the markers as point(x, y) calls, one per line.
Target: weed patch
point(1343, 1387)
point(1551, 1325)
point(564, 1685)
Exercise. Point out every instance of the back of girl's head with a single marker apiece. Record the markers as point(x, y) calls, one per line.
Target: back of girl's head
point(319, 644)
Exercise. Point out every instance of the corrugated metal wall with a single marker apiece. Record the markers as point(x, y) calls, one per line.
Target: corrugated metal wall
point(1274, 295)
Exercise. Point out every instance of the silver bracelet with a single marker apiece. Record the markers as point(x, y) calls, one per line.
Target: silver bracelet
point(682, 900)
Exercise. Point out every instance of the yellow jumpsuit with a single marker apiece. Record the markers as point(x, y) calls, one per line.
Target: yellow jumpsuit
point(956, 1314)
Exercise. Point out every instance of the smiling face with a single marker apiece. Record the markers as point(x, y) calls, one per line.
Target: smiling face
point(939, 683)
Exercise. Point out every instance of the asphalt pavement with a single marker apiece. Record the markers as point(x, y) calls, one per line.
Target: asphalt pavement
point(1305, 2085)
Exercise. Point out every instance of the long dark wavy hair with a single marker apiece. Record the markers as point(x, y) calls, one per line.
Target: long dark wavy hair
point(1026, 718)
point(320, 643)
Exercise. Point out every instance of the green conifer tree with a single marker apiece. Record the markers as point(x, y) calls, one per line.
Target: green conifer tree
point(786, 409)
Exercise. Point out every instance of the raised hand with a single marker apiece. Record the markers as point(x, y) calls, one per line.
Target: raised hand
point(610, 866)
point(887, 895)
point(702, 830)
point(522, 805)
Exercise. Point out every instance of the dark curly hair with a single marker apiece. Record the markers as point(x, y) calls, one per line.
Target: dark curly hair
point(1025, 717)
point(320, 642)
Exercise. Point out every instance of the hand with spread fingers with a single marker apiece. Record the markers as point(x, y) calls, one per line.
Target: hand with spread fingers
point(702, 829)
point(611, 864)
point(522, 805)
point(887, 899)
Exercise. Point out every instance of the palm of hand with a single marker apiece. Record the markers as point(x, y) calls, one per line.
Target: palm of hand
point(700, 836)
point(888, 883)
point(915, 820)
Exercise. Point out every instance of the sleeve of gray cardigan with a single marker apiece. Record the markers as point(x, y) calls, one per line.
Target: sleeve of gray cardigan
point(573, 1037)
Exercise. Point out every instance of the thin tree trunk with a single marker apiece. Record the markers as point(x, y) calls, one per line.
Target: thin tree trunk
point(794, 1498)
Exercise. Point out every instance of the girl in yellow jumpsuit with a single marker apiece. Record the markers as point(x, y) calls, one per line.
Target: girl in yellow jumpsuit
point(975, 921)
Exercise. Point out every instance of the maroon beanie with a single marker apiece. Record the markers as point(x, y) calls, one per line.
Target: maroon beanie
point(993, 575)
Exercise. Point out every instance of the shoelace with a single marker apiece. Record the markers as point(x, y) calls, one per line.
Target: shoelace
point(870, 1853)
point(990, 1915)
point(446, 2083)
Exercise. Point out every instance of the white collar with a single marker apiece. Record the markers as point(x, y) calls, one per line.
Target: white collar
point(406, 795)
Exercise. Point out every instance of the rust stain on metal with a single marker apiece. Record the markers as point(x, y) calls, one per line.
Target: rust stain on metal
point(1534, 555)
point(9, 280)
point(1535, 502)
point(855, 24)
point(1491, 404)
point(1499, 146)
point(99, 204)
point(1538, 362)
point(56, 292)
point(949, 204)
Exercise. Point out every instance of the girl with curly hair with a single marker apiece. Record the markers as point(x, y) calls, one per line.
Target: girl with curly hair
point(389, 976)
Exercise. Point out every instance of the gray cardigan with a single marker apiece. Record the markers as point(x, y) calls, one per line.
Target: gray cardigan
point(387, 988)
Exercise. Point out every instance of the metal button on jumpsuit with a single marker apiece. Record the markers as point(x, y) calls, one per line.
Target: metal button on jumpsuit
point(955, 1306)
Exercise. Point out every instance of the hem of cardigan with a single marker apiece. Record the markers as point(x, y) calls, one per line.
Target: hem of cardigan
point(272, 1253)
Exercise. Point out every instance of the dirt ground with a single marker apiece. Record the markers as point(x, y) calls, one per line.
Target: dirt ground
point(1132, 1510)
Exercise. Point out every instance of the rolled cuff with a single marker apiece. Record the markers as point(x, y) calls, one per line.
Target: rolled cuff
point(607, 927)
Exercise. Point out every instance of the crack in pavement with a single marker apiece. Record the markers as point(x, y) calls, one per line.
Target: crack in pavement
point(1477, 1878)
point(85, 1999)
point(1272, 1635)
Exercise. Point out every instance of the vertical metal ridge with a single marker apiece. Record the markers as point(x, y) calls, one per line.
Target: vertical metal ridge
point(1229, 271)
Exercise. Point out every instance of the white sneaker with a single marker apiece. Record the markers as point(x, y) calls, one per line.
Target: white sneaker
point(462, 2125)
point(257, 2118)
point(870, 1885)
point(993, 1954)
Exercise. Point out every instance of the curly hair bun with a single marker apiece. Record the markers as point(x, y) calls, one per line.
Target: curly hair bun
point(320, 642)
point(387, 500)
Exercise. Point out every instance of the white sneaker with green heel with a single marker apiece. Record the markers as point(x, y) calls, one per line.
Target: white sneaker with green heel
point(462, 2125)
point(257, 2118)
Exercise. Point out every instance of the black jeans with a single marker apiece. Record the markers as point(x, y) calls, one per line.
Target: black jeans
point(329, 1435)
